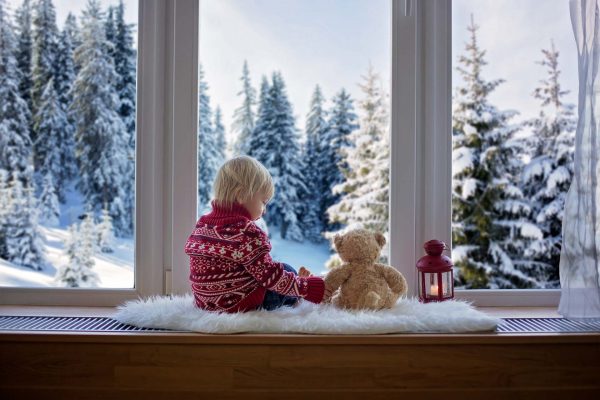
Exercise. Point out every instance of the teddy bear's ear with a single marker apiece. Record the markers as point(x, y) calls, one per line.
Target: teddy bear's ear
point(380, 239)
point(338, 240)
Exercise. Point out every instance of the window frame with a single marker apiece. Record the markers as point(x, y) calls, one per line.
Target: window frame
point(433, 101)
point(166, 158)
point(155, 17)
point(421, 151)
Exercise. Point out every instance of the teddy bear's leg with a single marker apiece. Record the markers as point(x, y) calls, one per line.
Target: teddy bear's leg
point(371, 301)
point(336, 299)
point(389, 300)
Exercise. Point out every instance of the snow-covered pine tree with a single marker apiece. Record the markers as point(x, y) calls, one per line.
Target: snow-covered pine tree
point(244, 117)
point(64, 76)
point(110, 31)
point(49, 209)
point(342, 122)
point(316, 131)
point(15, 142)
point(4, 211)
point(547, 177)
point(101, 145)
point(80, 248)
point(45, 43)
point(124, 56)
point(125, 65)
point(106, 238)
point(72, 30)
point(20, 225)
point(364, 194)
point(219, 133)
point(488, 208)
point(208, 157)
point(24, 37)
point(260, 133)
point(276, 145)
point(24, 242)
point(50, 123)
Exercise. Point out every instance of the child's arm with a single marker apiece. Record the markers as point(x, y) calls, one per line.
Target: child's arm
point(272, 275)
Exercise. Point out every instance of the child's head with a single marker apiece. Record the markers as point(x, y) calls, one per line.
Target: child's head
point(246, 181)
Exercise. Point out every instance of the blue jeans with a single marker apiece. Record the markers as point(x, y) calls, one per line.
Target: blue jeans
point(274, 300)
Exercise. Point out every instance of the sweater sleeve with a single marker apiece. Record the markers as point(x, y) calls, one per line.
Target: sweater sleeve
point(271, 274)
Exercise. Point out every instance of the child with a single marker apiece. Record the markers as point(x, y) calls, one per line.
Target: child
point(230, 266)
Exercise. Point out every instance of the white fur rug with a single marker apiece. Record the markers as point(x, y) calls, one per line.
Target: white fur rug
point(408, 315)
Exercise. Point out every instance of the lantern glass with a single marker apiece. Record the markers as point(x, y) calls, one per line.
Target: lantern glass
point(447, 277)
point(432, 283)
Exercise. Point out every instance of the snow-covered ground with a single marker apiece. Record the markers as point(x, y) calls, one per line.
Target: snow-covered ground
point(310, 255)
point(116, 270)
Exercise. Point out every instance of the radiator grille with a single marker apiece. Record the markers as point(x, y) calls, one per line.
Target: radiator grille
point(69, 324)
point(549, 325)
point(105, 324)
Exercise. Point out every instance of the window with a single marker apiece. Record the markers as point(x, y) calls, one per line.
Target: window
point(166, 207)
point(69, 184)
point(72, 216)
point(513, 141)
point(302, 86)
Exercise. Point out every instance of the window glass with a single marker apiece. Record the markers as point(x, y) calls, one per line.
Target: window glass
point(513, 128)
point(67, 134)
point(303, 87)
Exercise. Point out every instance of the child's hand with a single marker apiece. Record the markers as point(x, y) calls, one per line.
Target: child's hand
point(304, 273)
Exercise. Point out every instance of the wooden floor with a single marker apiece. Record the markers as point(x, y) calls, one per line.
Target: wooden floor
point(194, 366)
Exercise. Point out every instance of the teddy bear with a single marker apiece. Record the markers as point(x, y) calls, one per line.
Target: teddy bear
point(360, 282)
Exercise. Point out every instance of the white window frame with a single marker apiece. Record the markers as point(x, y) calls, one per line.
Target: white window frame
point(166, 164)
point(164, 57)
point(421, 152)
point(426, 126)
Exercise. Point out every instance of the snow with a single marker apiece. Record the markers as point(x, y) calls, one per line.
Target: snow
point(558, 176)
point(531, 231)
point(462, 159)
point(469, 188)
point(469, 129)
point(310, 255)
point(116, 270)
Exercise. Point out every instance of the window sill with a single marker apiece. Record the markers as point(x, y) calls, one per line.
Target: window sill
point(129, 365)
point(61, 311)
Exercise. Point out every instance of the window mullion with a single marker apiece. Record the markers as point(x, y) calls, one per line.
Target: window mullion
point(182, 130)
point(403, 184)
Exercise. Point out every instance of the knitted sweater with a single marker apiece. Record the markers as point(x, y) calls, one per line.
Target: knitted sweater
point(230, 265)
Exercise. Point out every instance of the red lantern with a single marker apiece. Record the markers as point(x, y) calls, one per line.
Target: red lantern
point(436, 280)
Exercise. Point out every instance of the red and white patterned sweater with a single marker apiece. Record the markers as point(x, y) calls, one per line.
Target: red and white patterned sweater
point(230, 265)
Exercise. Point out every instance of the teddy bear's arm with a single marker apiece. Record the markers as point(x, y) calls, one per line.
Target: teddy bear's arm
point(335, 278)
point(394, 279)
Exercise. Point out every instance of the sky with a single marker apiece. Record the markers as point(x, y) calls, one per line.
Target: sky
point(513, 33)
point(333, 42)
point(326, 42)
point(63, 7)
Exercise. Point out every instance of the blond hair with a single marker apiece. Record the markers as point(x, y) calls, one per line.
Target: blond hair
point(239, 179)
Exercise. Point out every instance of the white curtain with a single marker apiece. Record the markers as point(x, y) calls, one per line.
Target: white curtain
point(579, 259)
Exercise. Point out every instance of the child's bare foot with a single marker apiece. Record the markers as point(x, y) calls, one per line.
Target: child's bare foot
point(304, 273)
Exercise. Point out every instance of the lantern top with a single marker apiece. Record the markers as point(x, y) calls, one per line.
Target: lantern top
point(434, 261)
point(434, 247)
